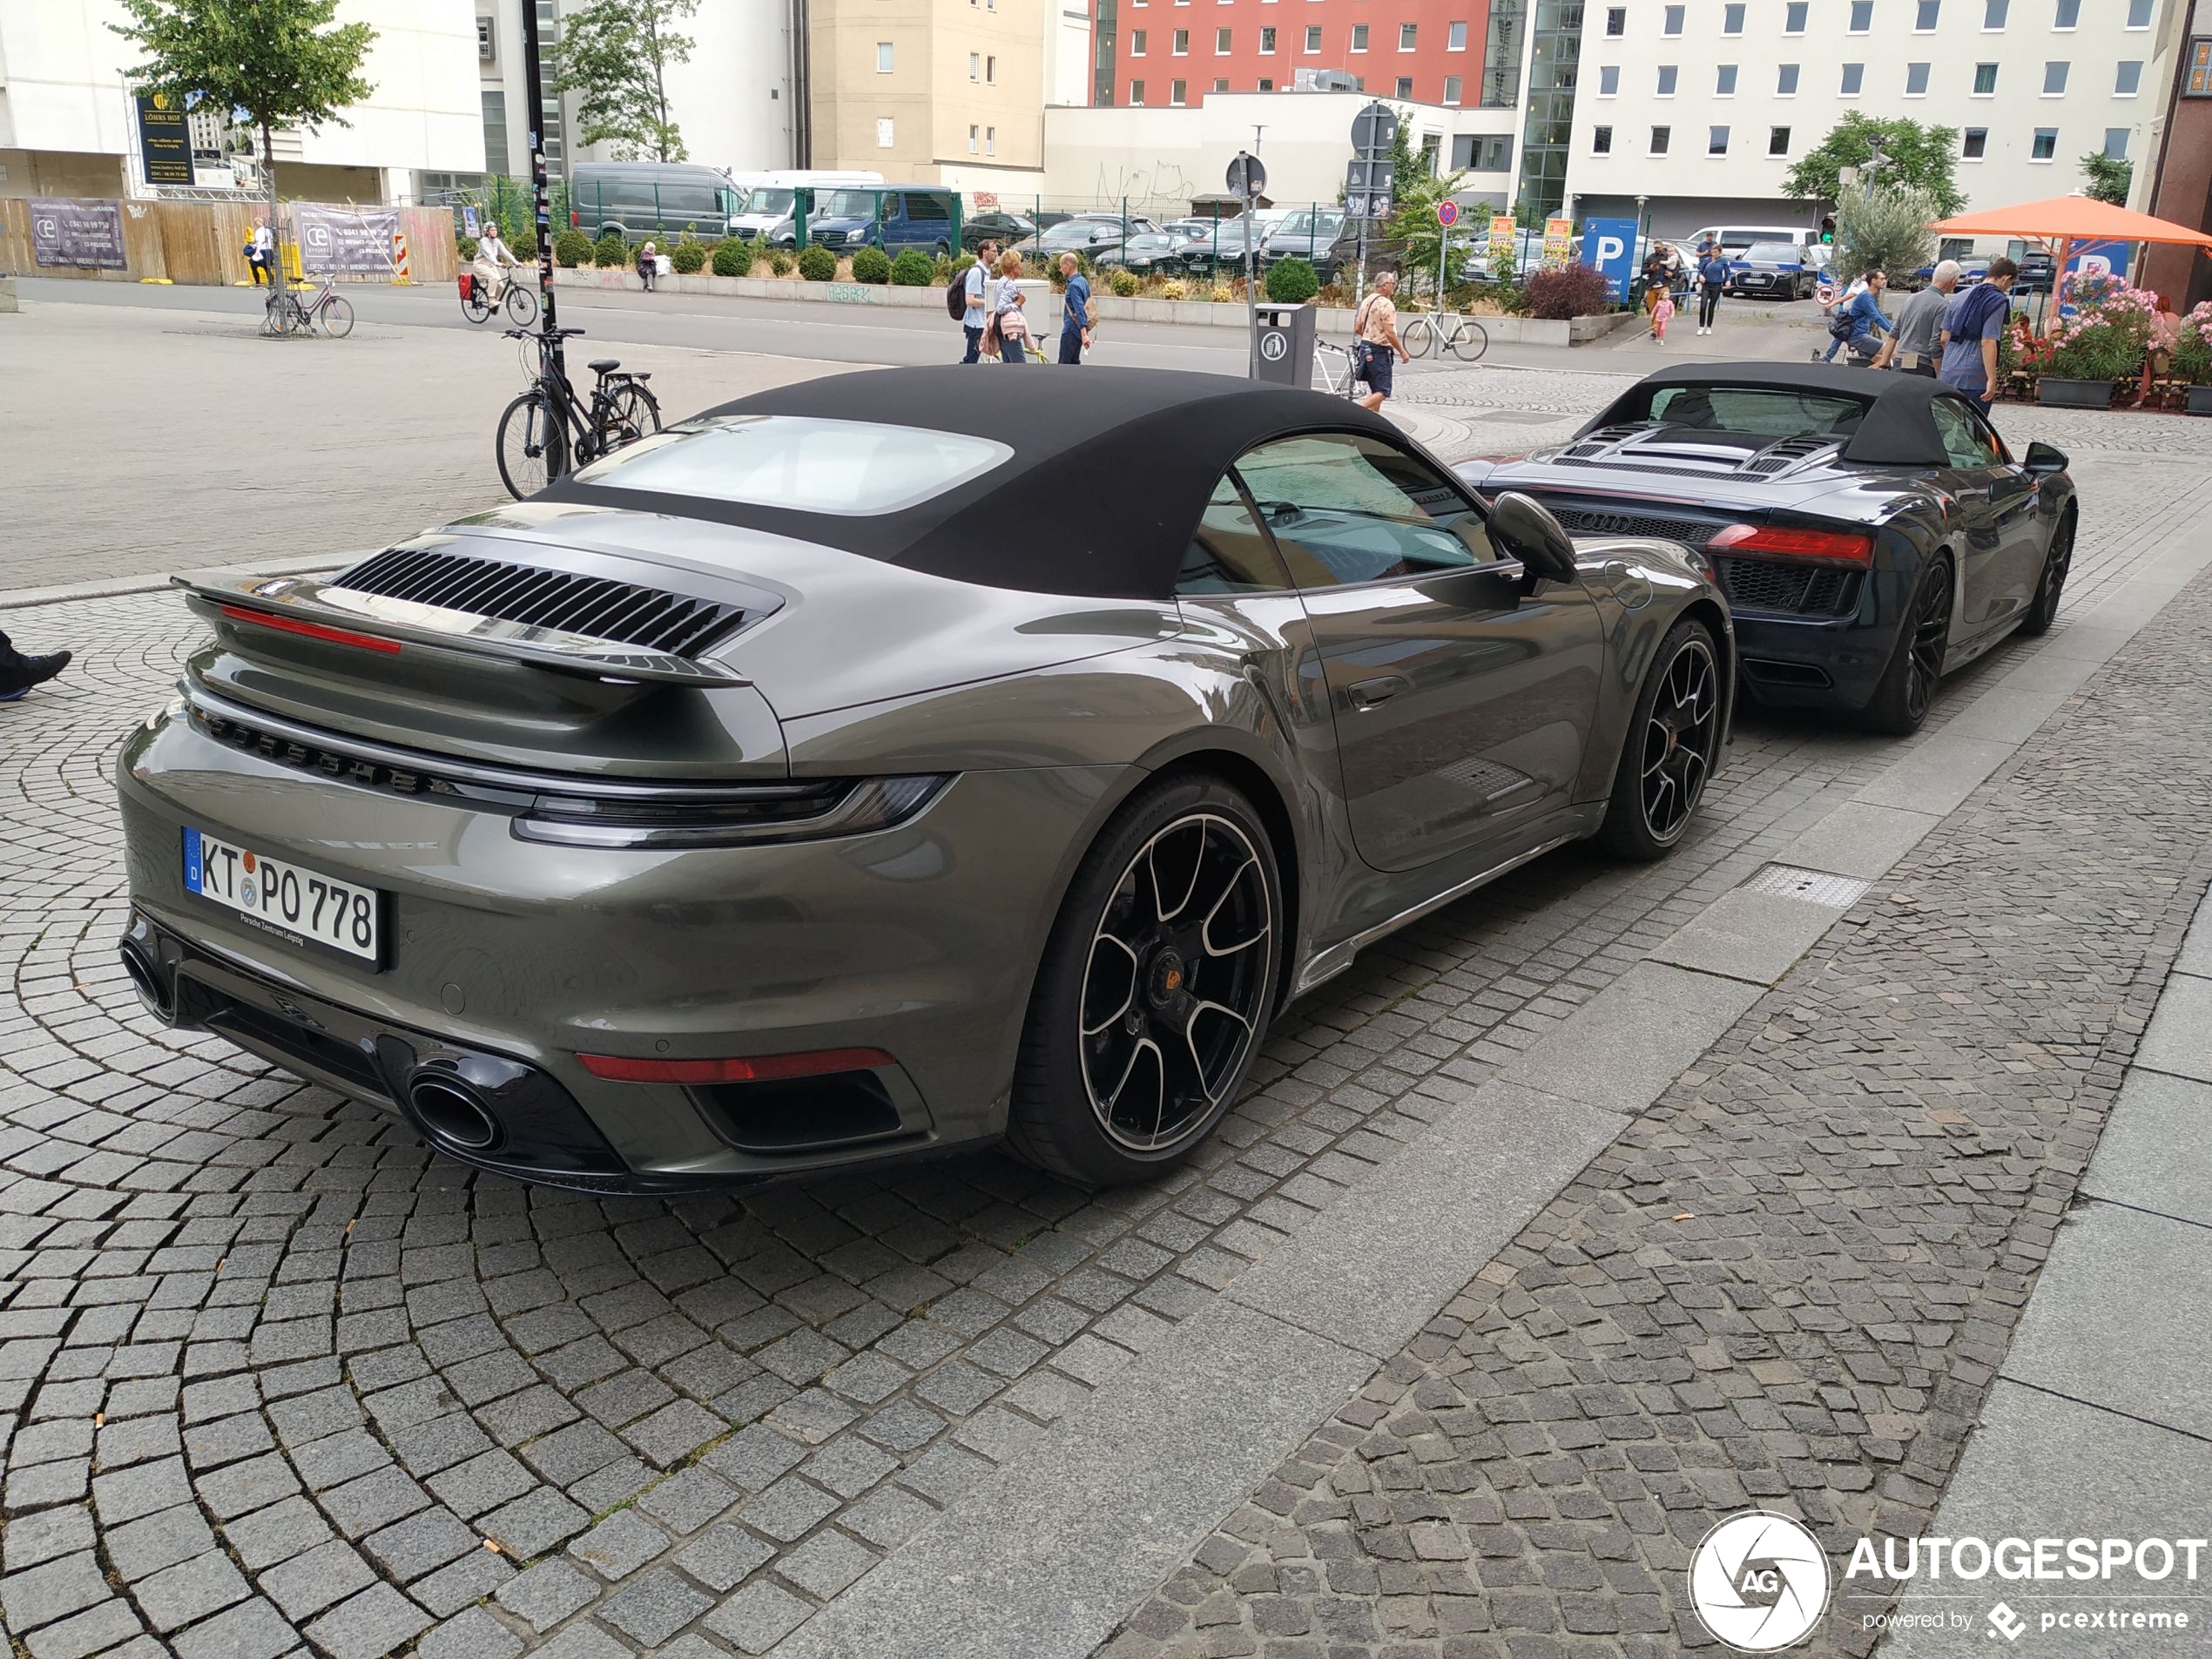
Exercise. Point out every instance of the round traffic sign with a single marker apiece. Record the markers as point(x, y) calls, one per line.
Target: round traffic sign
point(1246, 175)
point(1448, 214)
point(1374, 129)
point(1273, 345)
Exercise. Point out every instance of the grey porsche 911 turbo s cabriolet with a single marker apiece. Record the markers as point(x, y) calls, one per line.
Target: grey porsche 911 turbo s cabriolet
point(891, 761)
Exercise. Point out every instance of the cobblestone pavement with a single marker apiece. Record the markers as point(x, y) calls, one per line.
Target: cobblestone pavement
point(270, 1372)
point(1791, 1281)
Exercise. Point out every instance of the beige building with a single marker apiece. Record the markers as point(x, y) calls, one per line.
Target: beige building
point(929, 92)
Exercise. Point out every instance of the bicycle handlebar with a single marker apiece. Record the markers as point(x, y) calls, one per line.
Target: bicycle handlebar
point(540, 334)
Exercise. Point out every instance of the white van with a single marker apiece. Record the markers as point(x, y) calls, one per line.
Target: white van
point(1734, 239)
point(769, 202)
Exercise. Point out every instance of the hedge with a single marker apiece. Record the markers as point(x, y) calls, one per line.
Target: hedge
point(1292, 281)
point(870, 264)
point(817, 264)
point(912, 269)
point(732, 256)
point(572, 248)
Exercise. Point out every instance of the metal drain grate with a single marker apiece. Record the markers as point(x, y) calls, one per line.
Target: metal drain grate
point(1813, 886)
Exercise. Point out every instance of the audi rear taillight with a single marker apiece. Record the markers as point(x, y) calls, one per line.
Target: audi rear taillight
point(1786, 542)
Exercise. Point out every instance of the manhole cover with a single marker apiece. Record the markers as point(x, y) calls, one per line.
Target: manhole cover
point(1813, 886)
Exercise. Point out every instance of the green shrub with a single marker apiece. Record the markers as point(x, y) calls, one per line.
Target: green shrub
point(572, 248)
point(817, 264)
point(912, 269)
point(611, 251)
point(688, 256)
point(870, 264)
point(1124, 283)
point(466, 247)
point(732, 256)
point(945, 269)
point(780, 261)
point(1291, 281)
point(1570, 291)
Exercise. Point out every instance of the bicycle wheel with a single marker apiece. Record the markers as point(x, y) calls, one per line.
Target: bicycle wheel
point(521, 306)
point(630, 413)
point(1419, 336)
point(474, 307)
point(338, 316)
point(1472, 341)
point(533, 450)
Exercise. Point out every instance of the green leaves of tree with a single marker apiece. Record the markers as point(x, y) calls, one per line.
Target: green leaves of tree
point(1914, 158)
point(2107, 177)
point(278, 60)
point(614, 56)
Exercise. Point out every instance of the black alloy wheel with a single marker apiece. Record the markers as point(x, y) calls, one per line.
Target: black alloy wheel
point(2056, 564)
point(1672, 745)
point(1156, 989)
point(1901, 702)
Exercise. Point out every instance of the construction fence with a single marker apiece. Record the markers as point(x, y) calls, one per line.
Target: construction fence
point(203, 243)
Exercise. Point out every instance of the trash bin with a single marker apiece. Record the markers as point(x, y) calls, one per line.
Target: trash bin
point(1286, 345)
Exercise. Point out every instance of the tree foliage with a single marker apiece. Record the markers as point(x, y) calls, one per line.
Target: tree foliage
point(1884, 230)
point(1419, 238)
point(614, 55)
point(2107, 179)
point(1913, 158)
point(278, 60)
point(1290, 282)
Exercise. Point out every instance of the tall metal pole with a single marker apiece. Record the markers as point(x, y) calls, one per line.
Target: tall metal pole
point(1251, 298)
point(534, 89)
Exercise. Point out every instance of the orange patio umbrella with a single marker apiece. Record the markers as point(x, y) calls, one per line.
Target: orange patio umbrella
point(2064, 220)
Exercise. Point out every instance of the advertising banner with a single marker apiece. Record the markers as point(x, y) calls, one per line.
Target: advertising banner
point(68, 231)
point(339, 241)
point(1610, 249)
point(165, 141)
point(1559, 243)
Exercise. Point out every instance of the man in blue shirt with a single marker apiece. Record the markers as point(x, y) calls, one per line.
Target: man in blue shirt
point(1074, 313)
point(1972, 324)
point(1859, 323)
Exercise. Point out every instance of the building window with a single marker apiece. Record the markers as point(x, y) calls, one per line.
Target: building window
point(2129, 80)
point(1608, 80)
point(1136, 49)
point(1494, 153)
point(1267, 42)
point(1916, 80)
point(1674, 20)
point(1313, 38)
point(1266, 85)
point(1732, 19)
point(1976, 144)
point(1667, 73)
point(1455, 39)
point(1616, 22)
point(1925, 16)
point(1861, 17)
point(991, 71)
point(1724, 81)
point(1451, 89)
point(1793, 17)
point(2055, 80)
point(2068, 14)
point(2046, 144)
point(885, 132)
point(975, 59)
point(1182, 42)
point(2116, 143)
point(2139, 14)
point(1785, 80)
point(1854, 78)
point(1221, 82)
point(884, 57)
point(974, 141)
point(487, 39)
point(1220, 41)
point(1404, 87)
point(1359, 36)
point(1777, 141)
point(1985, 80)
point(1601, 141)
point(496, 132)
point(1408, 34)
point(1716, 141)
point(1137, 95)
point(1993, 15)
point(1659, 139)
point(1175, 93)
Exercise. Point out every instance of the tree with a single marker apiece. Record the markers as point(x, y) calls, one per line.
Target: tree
point(2108, 177)
point(1421, 241)
point(1913, 158)
point(1884, 230)
point(615, 55)
point(276, 60)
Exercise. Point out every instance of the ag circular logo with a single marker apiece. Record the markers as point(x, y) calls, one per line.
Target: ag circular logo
point(1272, 347)
point(1759, 1581)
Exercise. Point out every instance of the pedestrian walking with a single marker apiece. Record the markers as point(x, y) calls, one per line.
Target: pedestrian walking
point(1972, 324)
point(1916, 347)
point(260, 253)
point(1074, 312)
point(1712, 277)
point(1374, 330)
point(1007, 315)
point(1661, 314)
point(18, 673)
point(976, 289)
point(648, 266)
point(1862, 323)
point(1655, 276)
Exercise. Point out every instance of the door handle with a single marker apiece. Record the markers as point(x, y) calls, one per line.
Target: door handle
point(1367, 694)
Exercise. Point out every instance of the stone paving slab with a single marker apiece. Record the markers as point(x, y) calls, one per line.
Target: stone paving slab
point(2156, 1153)
point(1746, 936)
point(1636, 1036)
point(2180, 1038)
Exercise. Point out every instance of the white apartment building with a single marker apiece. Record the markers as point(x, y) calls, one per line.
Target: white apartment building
point(1700, 107)
point(68, 125)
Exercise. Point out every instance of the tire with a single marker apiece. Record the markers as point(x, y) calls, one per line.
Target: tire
point(633, 413)
point(1104, 1095)
point(532, 446)
point(1471, 341)
point(474, 307)
point(1671, 747)
point(2051, 584)
point(1901, 702)
point(338, 317)
point(1419, 337)
point(521, 306)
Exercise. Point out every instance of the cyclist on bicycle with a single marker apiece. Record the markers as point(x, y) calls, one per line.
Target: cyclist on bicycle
point(494, 260)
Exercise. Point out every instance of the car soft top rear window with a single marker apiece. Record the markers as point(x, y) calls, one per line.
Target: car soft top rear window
point(1758, 411)
point(844, 468)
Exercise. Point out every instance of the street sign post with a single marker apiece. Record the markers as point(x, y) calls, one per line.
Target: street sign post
point(1375, 130)
point(1447, 214)
point(1247, 177)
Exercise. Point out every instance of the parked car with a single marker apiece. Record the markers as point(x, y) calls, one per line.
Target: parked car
point(770, 199)
point(1734, 239)
point(1151, 254)
point(1972, 268)
point(638, 199)
point(712, 816)
point(1774, 271)
point(1219, 244)
point(1007, 230)
point(1528, 258)
point(1322, 236)
point(1089, 234)
point(893, 218)
point(2039, 270)
point(1872, 531)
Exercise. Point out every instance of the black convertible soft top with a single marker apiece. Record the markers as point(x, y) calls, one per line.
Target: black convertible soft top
point(1111, 470)
point(1896, 430)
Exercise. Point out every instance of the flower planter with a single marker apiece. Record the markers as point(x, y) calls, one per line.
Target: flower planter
point(2058, 392)
point(2200, 399)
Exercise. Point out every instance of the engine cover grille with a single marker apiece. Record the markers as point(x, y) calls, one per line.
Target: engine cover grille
point(651, 617)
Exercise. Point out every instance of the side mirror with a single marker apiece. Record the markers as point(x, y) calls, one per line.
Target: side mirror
point(1524, 528)
point(2044, 458)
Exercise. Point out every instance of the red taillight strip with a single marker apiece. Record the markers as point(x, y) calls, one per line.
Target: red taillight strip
point(624, 1068)
point(311, 630)
point(1781, 541)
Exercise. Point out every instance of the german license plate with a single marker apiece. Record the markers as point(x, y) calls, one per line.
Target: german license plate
point(287, 899)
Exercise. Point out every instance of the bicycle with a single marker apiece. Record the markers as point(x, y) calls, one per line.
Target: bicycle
point(546, 432)
point(329, 312)
point(1335, 381)
point(1446, 331)
point(519, 302)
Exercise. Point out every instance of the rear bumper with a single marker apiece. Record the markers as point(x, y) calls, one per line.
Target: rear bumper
point(1824, 662)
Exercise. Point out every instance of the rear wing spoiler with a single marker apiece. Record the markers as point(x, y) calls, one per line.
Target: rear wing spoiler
point(318, 609)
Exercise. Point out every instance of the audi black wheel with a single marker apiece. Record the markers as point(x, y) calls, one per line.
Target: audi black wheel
point(2056, 563)
point(1901, 703)
point(1156, 989)
point(1672, 745)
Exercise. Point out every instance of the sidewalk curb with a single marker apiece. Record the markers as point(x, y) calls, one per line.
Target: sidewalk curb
point(123, 586)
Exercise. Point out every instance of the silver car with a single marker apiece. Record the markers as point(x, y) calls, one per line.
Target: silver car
point(890, 761)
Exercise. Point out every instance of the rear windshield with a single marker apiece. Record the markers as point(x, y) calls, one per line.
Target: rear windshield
point(1775, 252)
point(1757, 411)
point(850, 468)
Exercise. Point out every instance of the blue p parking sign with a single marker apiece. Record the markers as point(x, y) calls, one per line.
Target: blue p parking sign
point(1609, 247)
